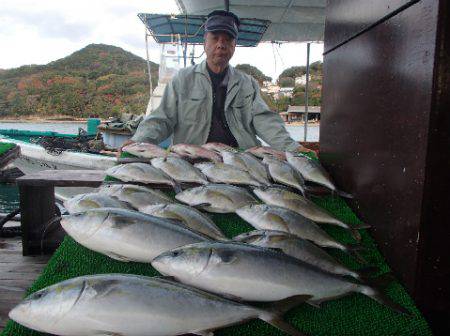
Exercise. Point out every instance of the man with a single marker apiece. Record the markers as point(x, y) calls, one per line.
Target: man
point(213, 102)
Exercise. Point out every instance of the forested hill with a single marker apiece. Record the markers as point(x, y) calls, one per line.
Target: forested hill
point(99, 80)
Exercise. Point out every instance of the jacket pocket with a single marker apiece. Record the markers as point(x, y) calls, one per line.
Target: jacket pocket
point(243, 100)
point(193, 106)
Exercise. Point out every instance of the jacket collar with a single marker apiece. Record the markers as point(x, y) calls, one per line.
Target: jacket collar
point(233, 77)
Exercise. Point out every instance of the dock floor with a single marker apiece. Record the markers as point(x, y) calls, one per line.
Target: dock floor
point(17, 273)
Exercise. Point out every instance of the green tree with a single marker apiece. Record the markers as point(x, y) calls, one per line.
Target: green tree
point(254, 72)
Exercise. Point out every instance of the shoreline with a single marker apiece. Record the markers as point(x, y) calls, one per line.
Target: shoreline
point(43, 121)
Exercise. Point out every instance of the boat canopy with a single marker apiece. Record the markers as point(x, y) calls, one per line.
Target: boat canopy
point(291, 20)
point(189, 29)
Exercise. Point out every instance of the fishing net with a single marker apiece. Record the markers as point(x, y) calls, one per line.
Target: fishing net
point(355, 314)
point(84, 142)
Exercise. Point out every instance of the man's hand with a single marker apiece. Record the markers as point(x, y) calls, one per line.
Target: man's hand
point(303, 149)
point(126, 143)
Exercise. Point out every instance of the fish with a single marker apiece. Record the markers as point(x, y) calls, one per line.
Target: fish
point(195, 152)
point(225, 173)
point(190, 216)
point(313, 171)
point(249, 163)
point(145, 150)
point(141, 173)
point(136, 305)
point(261, 151)
point(220, 198)
point(135, 195)
point(127, 235)
point(283, 173)
point(180, 170)
point(88, 201)
point(218, 147)
point(305, 207)
point(271, 217)
point(298, 248)
point(257, 274)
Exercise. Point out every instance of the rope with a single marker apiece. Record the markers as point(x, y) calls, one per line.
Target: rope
point(10, 231)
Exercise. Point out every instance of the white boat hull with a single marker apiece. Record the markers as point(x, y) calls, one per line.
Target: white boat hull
point(34, 158)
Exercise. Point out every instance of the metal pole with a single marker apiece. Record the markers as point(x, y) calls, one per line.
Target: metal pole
point(227, 5)
point(148, 63)
point(306, 90)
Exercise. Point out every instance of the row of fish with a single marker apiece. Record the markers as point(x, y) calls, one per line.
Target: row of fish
point(227, 165)
point(280, 262)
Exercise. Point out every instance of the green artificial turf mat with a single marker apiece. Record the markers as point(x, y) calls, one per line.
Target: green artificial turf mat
point(4, 147)
point(355, 314)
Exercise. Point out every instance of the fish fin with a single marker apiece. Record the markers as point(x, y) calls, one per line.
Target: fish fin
point(278, 220)
point(343, 194)
point(361, 226)
point(382, 281)
point(177, 188)
point(354, 251)
point(200, 205)
point(315, 304)
point(282, 306)
point(203, 333)
point(106, 333)
point(277, 249)
point(166, 277)
point(383, 299)
point(273, 315)
point(117, 257)
point(224, 196)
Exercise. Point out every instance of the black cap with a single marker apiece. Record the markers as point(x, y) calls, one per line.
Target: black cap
point(220, 20)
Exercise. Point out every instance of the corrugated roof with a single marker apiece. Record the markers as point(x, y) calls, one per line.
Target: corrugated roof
point(301, 109)
point(291, 20)
point(164, 28)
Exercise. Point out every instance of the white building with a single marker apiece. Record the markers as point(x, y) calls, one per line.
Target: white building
point(301, 80)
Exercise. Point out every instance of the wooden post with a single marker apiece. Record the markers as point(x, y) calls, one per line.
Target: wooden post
point(37, 208)
point(37, 205)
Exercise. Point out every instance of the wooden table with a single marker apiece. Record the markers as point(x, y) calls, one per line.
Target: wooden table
point(37, 205)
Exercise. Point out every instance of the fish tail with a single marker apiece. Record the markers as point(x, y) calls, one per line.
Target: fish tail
point(273, 314)
point(378, 296)
point(354, 251)
point(177, 188)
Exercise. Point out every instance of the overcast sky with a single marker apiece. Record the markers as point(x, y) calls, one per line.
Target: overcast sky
point(37, 32)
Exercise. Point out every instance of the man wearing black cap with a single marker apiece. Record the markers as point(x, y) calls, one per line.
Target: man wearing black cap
point(213, 102)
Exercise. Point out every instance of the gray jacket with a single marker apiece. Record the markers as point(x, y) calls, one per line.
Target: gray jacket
point(186, 110)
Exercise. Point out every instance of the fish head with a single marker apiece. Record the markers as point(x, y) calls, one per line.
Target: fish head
point(155, 209)
point(47, 306)
point(252, 237)
point(82, 225)
point(250, 211)
point(189, 196)
point(188, 260)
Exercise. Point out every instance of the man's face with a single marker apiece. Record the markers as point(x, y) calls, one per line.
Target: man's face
point(219, 48)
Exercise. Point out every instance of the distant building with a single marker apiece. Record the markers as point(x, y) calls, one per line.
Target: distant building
point(301, 80)
point(297, 113)
point(286, 92)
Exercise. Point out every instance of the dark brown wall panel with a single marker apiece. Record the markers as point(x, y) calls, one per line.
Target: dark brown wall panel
point(375, 124)
point(345, 18)
point(384, 136)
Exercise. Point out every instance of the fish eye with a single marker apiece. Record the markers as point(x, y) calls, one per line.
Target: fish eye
point(176, 253)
